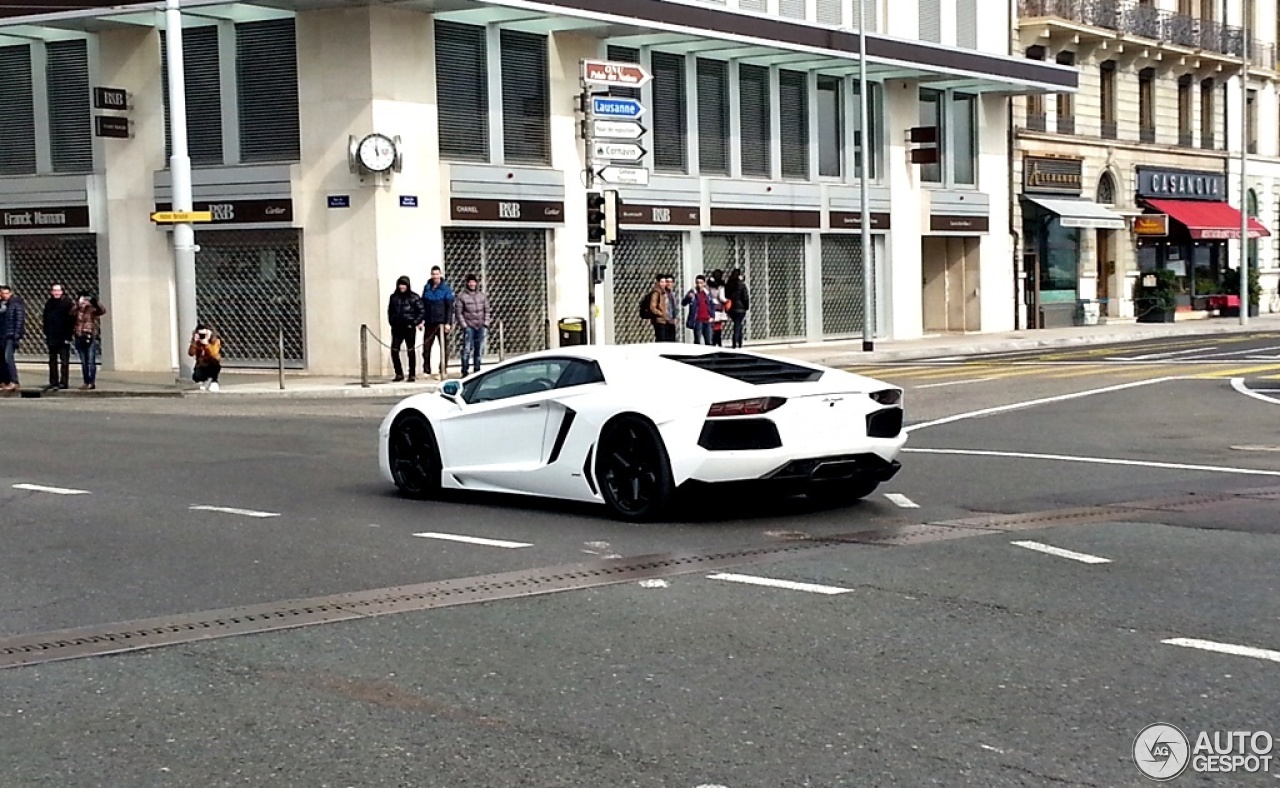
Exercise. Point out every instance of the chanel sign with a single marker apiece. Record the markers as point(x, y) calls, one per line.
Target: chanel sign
point(1046, 175)
point(1182, 184)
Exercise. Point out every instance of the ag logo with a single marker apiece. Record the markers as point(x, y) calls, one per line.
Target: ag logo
point(1161, 751)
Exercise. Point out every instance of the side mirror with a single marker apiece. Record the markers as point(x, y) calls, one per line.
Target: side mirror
point(451, 389)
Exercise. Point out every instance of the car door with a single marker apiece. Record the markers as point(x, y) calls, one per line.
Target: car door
point(502, 420)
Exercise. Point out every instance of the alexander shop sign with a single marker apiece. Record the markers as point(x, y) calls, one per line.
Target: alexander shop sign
point(74, 217)
point(1052, 175)
point(1182, 184)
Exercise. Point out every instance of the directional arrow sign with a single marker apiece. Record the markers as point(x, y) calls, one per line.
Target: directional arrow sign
point(617, 129)
point(604, 72)
point(624, 176)
point(621, 151)
point(181, 217)
point(610, 107)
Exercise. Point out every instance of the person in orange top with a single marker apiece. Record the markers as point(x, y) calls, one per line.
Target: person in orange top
point(206, 348)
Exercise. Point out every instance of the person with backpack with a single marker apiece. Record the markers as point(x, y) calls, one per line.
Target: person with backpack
point(658, 306)
point(737, 299)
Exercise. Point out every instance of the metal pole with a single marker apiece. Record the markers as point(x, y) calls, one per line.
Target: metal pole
point(502, 341)
point(1244, 160)
point(864, 126)
point(364, 356)
point(184, 243)
point(280, 369)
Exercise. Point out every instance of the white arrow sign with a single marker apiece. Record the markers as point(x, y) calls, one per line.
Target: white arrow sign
point(617, 129)
point(621, 151)
point(624, 176)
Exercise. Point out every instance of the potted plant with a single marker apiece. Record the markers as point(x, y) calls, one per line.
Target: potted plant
point(1231, 286)
point(1155, 296)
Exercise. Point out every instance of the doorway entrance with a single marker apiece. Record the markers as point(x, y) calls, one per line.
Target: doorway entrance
point(1106, 270)
point(949, 289)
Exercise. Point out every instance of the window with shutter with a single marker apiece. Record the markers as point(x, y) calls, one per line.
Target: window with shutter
point(754, 110)
point(70, 126)
point(670, 117)
point(525, 98)
point(267, 81)
point(17, 108)
point(462, 91)
point(713, 117)
point(930, 20)
point(874, 131)
point(624, 55)
point(793, 111)
point(967, 24)
point(204, 94)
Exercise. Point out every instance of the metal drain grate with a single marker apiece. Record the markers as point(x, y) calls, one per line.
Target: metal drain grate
point(910, 534)
point(1180, 503)
point(1032, 520)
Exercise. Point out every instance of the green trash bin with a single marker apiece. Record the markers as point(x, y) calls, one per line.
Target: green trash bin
point(573, 331)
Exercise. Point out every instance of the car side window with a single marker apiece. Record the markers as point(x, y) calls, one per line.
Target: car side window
point(529, 377)
point(580, 373)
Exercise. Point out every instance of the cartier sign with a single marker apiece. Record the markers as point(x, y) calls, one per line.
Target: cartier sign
point(1182, 184)
point(242, 211)
point(27, 219)
point(683, 215)
point(464, 209)
point(1049, 175)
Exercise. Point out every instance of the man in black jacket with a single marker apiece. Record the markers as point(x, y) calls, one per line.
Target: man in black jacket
point(59, 328)
point(405, 313)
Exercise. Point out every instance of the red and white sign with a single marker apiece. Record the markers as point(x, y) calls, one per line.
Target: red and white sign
point(605, 72)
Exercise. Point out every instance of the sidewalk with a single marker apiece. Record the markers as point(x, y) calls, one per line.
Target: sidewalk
point(265, 383)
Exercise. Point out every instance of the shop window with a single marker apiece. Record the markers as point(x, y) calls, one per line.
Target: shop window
point(670, 113)
point(1207, 114)
point(526, 119)
point(793, 123)
point(931, 116)
point(830, 127)
point(267, 90)
point(1066, 102)
point(964, 139)
point(70, 123)
point(1184, 111)
point(203, 78)
point(713, 117)
point(1107, 93)
point(462, 91)
point(1147, 105)
point(755, 111)
point(1251, 121)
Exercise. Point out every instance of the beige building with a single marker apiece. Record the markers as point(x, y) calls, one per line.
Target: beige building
point(1154, 131)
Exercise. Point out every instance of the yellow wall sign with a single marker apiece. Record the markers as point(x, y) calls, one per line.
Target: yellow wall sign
point(1152, 224)
point(179, 217)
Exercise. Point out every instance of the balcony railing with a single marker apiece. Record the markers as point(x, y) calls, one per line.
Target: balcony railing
point(1145, 134)
point(1066, 124)
point(1109, 130)
point(1186, 139)
point(1035, 121)
point(1129, 17)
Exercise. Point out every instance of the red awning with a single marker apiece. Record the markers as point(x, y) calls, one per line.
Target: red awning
point(1208, 221)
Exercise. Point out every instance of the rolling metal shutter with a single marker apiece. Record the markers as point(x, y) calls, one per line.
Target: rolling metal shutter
point(70, 127)
point(525, 98)
point(872, 14)
point(267, 82)
point(967, 24)
point(713, 117)
point(17, 108)
point(670, 116)
point(793, 107)
point(830, 12)
point(462, 91)
point(930, 20)
point(754, 108)
point(204, 98)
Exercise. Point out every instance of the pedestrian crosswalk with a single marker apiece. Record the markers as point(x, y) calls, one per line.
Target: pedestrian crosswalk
point(939, 374)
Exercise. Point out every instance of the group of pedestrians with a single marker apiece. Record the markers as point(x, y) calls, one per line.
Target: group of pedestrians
point(435, 313)
point(67, 323)
point(713, 303)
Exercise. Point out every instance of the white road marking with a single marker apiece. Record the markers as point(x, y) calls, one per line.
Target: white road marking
point(1165, 354)
point(654, 583)
point(232, 510)
point(1173, 466)
point(902, 501)
point(1225, 648)
point(973, 414)
point(787, 584)
point(54, 490)
point(1083, 558)
point(474, 540)
point(992, 749)
point(1238, 385)
point(951, 383)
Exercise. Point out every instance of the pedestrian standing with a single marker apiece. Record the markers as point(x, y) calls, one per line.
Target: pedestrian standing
point(13, 327)
point(87, 315)
point(715, 283)
point(737, 302)
point(655, 310)
point(474, 317)
point(405, 314)
point(206, 348)
point(437, 300)
point(702, 309)
point(59, 327)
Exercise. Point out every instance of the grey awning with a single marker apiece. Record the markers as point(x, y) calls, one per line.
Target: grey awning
point(1080, 213)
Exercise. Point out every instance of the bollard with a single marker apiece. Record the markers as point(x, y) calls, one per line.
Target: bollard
point(444, 350)
point(364, 356)
point(281, 358)
point(502, 341)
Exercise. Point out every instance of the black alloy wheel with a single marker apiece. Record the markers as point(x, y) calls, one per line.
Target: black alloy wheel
point(840, 492)
point(634, 470)
point(414, 456)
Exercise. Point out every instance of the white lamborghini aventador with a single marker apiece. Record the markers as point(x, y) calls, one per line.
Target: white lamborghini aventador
point(626, 425)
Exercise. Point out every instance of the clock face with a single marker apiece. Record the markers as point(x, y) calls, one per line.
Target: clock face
point(377, 153)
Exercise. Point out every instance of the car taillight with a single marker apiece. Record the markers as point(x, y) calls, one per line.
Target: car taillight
point(887, 396)
point(745, 407)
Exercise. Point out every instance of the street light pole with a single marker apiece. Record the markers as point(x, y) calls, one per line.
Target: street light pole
point(864, 129)
point(184, 244)
point(1244, 160)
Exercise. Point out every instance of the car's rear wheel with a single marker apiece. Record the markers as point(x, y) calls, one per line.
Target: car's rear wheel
point(839, 492)
point(634, 470)
point(414, 456)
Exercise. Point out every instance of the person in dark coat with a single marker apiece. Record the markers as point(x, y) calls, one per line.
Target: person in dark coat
point(59, 329)
point(405, 314)
point(13, 324)
point(437, 299)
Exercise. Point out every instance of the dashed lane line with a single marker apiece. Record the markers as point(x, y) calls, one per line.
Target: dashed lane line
point(1083, 558)
point(952, 383)
point(770, 582)
point(1022, 455)
point(45, 489)
point(1225, 648)
point(901, 501)
point(233, 510)
point(476, 540)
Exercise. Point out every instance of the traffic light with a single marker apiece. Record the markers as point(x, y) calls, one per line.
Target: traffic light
point(602, 218)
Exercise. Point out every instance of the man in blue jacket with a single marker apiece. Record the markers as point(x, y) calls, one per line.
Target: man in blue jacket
point(13, 323)
point(437, 301)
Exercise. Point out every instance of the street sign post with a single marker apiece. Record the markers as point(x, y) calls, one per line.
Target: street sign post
point(181, 217)
point(617, 129)
point(604, 72)
point(624, 176)
point(617, 151)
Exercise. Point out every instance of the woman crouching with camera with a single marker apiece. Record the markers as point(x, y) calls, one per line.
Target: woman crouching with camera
point(206, 348)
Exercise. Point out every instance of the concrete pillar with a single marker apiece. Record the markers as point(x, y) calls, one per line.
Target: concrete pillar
point(135, 259)
point(364, 70)
point(910, 209)
point(996, 298)
point(571, 286)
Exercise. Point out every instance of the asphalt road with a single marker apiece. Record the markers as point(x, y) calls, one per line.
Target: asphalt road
point(921, 661)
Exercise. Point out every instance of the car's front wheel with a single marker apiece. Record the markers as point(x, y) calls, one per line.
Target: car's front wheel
point(840, 492)
point(634, 470)
point(414, 456)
